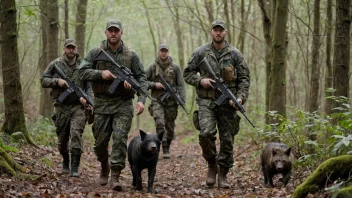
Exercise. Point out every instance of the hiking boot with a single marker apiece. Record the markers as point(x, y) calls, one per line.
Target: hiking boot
point(166, 146)
point(75, 160)
point(212, 171)
point(222, 181)
point(65, 163)
point(104, 172)
point(114, 180)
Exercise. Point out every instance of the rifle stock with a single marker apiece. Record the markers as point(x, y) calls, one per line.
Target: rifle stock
point(222, 87)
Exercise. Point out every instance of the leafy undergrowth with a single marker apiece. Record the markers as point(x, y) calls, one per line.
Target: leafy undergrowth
point(181, 176)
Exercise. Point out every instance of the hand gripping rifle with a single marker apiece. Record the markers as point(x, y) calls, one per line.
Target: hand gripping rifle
point(220, 85)
point(72, 87)
point(123, 74)
point(169, 91)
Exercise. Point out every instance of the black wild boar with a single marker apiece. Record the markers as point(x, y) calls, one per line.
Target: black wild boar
point(143, 152)
point(276, 158)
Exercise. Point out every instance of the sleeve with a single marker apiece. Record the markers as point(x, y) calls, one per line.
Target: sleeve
point(180, 83)
point(149, 74)
point(47, 80)
point(86, 70)
point(139, 73)
point(89, 91)
point(190, 73)
point(243, 79)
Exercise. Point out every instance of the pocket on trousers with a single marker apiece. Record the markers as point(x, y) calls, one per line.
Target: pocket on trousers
point(196, 120)
point(150, 109)
point(237, 124)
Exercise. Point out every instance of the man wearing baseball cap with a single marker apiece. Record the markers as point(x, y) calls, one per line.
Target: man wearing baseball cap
point(228, 63)
point(165, 112)
point(69, 117)
point(113, 112)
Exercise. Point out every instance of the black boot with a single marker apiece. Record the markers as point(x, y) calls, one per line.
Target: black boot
point(104, 172)
point(75, 160)
point(166, 147)
point(65, 163)
point(114, 180)
point(212, 172)
point(222, 181)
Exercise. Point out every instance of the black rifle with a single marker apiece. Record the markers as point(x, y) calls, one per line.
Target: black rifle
point(220, 85)
point(72, 87)
point(123, 74)
point(169, 91)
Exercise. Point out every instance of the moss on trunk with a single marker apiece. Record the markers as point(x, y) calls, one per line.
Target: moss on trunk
point(326, 173)
point(8, 164)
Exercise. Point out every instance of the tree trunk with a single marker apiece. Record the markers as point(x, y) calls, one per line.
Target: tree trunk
point(244, 19)
point(81, 26)
point(266, 12)
point(209, 8)
point(277, 99)
point(178, 30)
point(14, 113)
point(228, 22)
point(49, 20)
point(150, 26)
point(342, 48)
point(327, 172)
point(315, 70)
point(66, 20)
point(328, 74)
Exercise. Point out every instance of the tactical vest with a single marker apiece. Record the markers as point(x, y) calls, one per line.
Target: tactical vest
point(100, 88)
point(228, 74)
point(71, 99)
point(168, 73)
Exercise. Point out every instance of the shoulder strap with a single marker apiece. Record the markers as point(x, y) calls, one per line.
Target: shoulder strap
point(127, 55)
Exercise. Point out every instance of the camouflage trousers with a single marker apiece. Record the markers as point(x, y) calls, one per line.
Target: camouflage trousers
point(69, 122)
point(117, 126)
point(164, 117)
point(225, 119)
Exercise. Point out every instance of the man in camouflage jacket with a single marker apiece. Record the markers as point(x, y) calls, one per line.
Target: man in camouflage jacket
point(227, 63)
point(113, 113)
point(165, 112)
point(69, 116)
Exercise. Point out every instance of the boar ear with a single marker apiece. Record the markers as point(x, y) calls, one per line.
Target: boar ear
point(274, 151)
point(288, 151)
point(142, 133)
point(160, 136)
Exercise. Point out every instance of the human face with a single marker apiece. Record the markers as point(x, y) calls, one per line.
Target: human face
point(70, 51)
point(113, 35)
point(163, 54)
point(218, 33)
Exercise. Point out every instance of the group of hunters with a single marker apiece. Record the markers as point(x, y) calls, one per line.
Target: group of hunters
point(108, 63)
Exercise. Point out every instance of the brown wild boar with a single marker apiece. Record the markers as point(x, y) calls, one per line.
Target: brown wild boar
point(276, 158)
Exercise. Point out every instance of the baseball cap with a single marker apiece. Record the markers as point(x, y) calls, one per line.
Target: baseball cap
point(220, 23)
point(114, 23)
point(163, 46)
point(70, 41)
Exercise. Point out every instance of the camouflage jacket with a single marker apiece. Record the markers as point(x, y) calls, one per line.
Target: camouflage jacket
point(50, 79)
point(227, 64)
point(173, 76)
point(91, 70)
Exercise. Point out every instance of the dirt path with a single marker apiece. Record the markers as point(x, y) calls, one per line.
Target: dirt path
point(181, 176)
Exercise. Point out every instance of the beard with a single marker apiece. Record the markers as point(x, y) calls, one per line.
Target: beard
point(113, 41)
point(218, 39)
point(70, 55)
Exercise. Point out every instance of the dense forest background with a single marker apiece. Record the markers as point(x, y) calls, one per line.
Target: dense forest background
point(298, 53)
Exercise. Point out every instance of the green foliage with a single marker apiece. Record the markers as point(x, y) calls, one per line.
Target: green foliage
point(190, 138)
point(42, 131)
point(47, 162)
point(7, 147)
point(332, 132)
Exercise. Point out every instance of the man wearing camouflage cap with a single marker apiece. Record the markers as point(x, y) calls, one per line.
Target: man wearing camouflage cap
point(113, 112)
point(69, 116)
point(165, 112)
point(228, 64)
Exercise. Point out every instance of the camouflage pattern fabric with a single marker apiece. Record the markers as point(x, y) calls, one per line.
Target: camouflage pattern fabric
point(113, 113)
point(118, 126)
point(70, 116)
point(227, 64)
point(70, 122)
point(164, 117)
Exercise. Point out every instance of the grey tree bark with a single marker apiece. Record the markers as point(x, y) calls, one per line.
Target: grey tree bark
point(81, 25)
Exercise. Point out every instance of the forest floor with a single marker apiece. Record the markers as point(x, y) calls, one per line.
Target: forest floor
point(181, 176)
